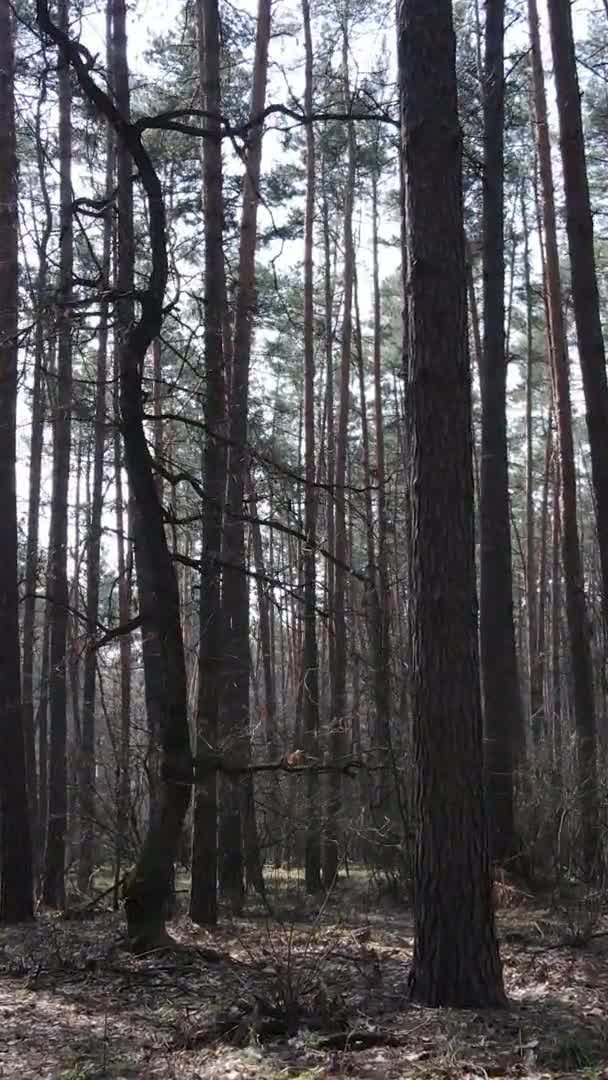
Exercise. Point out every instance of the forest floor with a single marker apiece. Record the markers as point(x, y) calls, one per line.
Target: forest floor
point(308, 996)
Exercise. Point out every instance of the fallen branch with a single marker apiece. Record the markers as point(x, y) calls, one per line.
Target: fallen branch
point(197, 770)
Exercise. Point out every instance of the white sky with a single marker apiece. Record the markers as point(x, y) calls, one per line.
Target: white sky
point(154, 17)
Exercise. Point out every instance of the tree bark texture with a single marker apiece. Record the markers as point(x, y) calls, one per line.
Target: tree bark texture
point(16, 882)
point(456, 959)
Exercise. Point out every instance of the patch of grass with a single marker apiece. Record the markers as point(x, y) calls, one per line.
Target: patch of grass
point(82, 1070)
point(573, 1050)
point(96, 1070)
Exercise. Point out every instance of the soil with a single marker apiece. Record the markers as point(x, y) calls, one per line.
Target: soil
point(299, 994)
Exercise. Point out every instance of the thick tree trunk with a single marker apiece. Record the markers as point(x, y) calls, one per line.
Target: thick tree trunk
point(16, 882)
point(54, 880)
point(203, 901)
point(456, 959)
point(580, 651)
point(500, 681)
point(585, 295)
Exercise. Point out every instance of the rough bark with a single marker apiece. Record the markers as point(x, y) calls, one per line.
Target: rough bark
point(16, 882)
point(456, 960)
point(579, 645)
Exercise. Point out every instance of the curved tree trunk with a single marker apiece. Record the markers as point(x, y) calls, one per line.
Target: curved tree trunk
point(148, 889)
point(235, 597)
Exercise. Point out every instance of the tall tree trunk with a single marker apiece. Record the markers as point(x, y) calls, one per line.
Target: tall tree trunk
point(93, 542)
point(124, 614)
point(456, 960)
point(148, 889)
point(310, 655)
point(16, 882)
point(35, 475)
point(386, 792)
point(539, 724)
point(203, 901)
point(54, 876)
point(585, 295)
point(556, 619)
point(573, 574)
point(235, 598)
point(383, 839)
point(499, 675)
point(339, 704)
point(535, 662)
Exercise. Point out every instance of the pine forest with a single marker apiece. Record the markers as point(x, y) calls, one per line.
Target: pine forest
point(303, 539)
